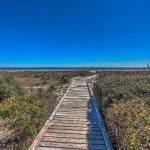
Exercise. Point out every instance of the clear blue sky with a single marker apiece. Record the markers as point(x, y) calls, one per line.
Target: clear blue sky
point(74, 32)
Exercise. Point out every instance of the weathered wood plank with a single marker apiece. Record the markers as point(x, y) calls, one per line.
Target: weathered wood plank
point(72, 145)
point(73, 132)
point(74, 122)
point(75, 128)
point(75, 119)
point(73, 140)
point(78, 136)
point(75, 125)
point(53, 148)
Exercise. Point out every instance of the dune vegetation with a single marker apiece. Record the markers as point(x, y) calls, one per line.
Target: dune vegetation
point(33, 79)
point(124, 100)
point(23, 111)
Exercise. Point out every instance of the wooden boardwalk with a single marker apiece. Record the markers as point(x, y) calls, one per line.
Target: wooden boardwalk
point(75, 123)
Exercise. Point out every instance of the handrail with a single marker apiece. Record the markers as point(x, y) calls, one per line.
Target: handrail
point(100, 120)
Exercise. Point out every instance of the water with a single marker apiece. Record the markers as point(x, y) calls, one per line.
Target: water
point(50, 69)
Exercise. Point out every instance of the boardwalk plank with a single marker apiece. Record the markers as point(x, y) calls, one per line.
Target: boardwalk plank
point(78, 136)
point(73, 140)
point(72, 145)
point(75, 128)
point(75, 125)
point(74, 131)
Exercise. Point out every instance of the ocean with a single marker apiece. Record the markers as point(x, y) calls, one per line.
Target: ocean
point(52, 69)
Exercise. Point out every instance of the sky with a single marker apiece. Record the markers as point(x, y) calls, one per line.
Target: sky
point(74, 33)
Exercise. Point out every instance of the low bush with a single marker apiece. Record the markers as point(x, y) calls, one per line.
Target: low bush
point(65, 79)
point(26, 112)
point(111, 87)
point(9, 88)
point(124, 100)
point(129, 123)
point(26, 115)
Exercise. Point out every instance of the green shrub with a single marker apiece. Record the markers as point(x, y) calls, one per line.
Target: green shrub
point(66, 76)
point(45, 77)
point(9, 88)
point(65, 79)
point(124, 100)
point(111, 87)
point(26, 112)
point(129, 123)
point(26, 115)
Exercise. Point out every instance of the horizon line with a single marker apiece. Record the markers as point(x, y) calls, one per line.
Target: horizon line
point(73, 67)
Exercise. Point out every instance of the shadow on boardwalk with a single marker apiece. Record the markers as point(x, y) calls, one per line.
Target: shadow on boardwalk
point(94, 136)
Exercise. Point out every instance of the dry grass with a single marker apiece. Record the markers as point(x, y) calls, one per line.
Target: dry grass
point(31, 79)
point(24, 114)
